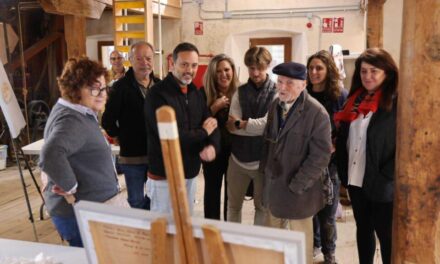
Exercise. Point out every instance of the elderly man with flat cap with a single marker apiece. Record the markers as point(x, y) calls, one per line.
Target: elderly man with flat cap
point(296, 153)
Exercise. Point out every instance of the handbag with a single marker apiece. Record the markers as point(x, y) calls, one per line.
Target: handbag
point(327, 187)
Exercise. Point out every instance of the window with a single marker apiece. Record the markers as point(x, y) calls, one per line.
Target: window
point(279, 48)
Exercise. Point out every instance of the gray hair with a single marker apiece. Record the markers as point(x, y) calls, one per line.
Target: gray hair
point(140, 43)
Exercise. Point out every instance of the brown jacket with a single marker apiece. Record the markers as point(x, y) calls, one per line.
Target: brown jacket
point(295, 158)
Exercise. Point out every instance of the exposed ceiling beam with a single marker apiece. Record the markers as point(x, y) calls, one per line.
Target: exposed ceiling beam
point(82, 8)
point(34, 49)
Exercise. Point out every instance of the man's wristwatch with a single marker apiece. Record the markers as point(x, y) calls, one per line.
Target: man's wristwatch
point(237, 124)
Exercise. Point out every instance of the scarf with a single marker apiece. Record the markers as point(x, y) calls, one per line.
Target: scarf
point(359, 103)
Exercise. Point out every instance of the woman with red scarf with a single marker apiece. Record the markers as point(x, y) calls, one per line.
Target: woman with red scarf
point(365, 150)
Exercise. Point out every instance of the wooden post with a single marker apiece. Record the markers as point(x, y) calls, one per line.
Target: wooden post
point(416, 227)
point(375, 23)
point(172, 158)
point(149, 29)
point(75, 34)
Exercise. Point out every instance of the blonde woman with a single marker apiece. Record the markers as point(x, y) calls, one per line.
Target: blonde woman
point(220, 83)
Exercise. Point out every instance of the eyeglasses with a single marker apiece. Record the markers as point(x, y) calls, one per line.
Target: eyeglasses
point(115, 58)
point(97, 91)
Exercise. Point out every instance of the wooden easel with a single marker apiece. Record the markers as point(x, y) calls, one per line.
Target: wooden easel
point(171, 153)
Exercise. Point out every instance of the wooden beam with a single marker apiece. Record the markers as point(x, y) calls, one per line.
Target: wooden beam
point(173, 3)
point(34, 50)
point(148, 26)
point(75, 33)
point(167, 11)
point(375, 23)
point(83, 8)
point(416, 227)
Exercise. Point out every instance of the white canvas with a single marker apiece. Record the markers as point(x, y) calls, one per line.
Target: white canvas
point(8, 102)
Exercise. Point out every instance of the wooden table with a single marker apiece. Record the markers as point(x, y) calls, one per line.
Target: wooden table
point(35, 148)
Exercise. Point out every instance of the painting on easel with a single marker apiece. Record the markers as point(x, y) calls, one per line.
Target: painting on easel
point(9, 105)
point(115, 235)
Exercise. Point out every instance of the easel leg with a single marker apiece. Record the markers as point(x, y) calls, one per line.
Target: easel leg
point(25, 158)
point(23, 183)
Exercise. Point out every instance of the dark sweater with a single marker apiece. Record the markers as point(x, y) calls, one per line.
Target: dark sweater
point(124, 116)
point(76, 152)
point(191, 111)
point(254, 103)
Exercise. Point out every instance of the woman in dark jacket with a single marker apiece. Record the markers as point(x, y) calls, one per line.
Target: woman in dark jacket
point(366, 146)
point(220, 83)
point(323, 85)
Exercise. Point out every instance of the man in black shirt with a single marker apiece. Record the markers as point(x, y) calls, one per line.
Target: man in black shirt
point(199, 138)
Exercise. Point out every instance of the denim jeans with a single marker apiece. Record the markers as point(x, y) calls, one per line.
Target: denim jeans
point(324, 224)
point(68, 229)
point(159, 193)
point(135, 178)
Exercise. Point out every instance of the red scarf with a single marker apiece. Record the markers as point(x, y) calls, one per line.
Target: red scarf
point(370, 103)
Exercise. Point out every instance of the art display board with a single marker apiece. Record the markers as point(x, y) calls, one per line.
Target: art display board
point(122, 235)
point(9, 104)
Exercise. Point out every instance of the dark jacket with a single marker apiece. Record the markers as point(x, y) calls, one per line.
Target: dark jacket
point(191, 111)
point(124, 116)
point(331, 107)
point(378, 183)
point(295, 158)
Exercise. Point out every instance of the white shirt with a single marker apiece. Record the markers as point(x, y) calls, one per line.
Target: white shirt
point(357, 147)
point(79, 108)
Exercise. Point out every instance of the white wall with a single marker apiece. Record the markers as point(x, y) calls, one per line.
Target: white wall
point(92, 44)
point(232, 35)
point(216, 31)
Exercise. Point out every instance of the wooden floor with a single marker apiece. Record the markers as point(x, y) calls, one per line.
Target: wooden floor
point(14, 216)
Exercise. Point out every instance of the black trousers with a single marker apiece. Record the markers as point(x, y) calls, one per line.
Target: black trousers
point(371, 217)
point(213, 173)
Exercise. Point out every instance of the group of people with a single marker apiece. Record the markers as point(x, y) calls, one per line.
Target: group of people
point(295, 139)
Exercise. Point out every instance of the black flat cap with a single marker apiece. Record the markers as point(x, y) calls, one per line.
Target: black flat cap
point(291, 69)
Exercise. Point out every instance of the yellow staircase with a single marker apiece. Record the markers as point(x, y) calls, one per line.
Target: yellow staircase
point(133, 21)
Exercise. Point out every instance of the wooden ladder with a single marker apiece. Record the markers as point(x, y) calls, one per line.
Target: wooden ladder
point(129, 28)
